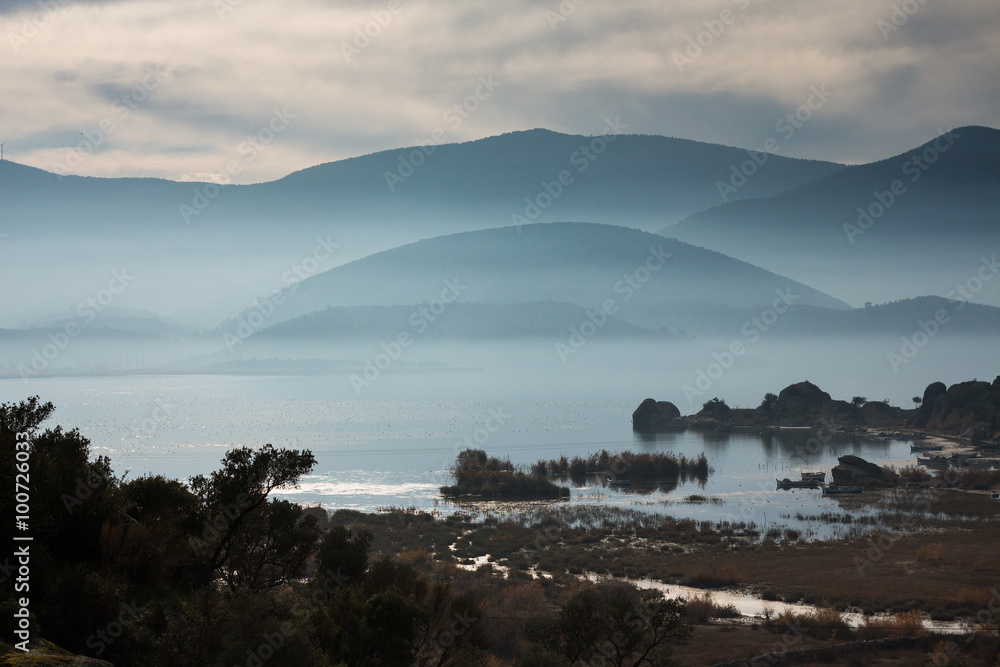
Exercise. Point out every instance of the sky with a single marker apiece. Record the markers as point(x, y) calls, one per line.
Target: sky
point(250, 90)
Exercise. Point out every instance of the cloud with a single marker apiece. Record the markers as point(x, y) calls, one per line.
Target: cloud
point(28, 7)
point(361, 78)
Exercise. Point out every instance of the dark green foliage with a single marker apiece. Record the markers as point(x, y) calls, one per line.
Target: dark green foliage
point(614, 623)
point(322, 516)
point(271, 547)
point(542, 657)
point(396, 616)
point(769, 406)
point(214, 629)
point(78, 601)
point(482, 476)
point(234, 493)
point(24, 417)
point(642, 467)
point(71, 495)
point(344, 552)
point(716, 408)
point(101, 543)
point(167, 515)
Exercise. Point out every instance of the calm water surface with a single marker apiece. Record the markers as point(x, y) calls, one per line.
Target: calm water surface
point(381, 452)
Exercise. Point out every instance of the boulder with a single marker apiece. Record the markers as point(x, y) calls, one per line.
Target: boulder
point(855, 471)
point(963, 404)
point(655, 416)
point(879, 413)
point(803, 398)
point(931, 393)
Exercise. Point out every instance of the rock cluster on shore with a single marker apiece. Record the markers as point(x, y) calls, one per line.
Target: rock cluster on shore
point(969, 410)
point(654, 416)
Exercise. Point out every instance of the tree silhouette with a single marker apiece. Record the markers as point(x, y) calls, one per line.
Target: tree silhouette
point(232, 495)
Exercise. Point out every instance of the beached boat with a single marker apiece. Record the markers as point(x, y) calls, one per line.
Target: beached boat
point(933, 461)
point(813, 476)
point(786, 484)
point(837, 490)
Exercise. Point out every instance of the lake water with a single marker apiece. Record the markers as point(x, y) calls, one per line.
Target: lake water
point(384, 452)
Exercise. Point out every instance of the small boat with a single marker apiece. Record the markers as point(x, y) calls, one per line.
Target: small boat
point(786, 484)
point(933, 461)
point(620, 484)
point(837, 490)
point(926, 448)
point(814, 476)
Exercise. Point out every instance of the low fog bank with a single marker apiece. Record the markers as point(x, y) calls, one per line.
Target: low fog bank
point(687, 372)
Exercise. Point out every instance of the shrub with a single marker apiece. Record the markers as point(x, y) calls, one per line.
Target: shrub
point(490, 478)
point(714, 576)
point(903, 624)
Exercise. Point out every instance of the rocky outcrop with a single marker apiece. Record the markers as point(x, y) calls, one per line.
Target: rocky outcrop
point(803, 398)
point(855, 471)
point(716, 409)
point(969, 409)
point(654, 416)
point(931, 394)
point(42, 653)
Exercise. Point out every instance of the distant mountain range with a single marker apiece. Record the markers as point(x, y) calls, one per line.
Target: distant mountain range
point(202, 247)
point(918, 223)
point(359, 249)
point(639, 277)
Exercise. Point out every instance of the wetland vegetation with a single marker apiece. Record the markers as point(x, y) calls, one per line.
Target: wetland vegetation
point(516, 577)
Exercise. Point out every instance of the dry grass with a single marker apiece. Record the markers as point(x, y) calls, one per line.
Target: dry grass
point(913, 473)
point(903, 624)
point(824, 623)
point(714, 576)
point(702, 609)
point(930, 554)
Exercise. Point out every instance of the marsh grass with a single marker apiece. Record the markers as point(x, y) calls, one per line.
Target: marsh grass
point(903, 624)
point(702, 609)
point(713, 575)
point(489, 478)
point(698, 499)
point(644, 467)
point(974, 479)
point(823, 623)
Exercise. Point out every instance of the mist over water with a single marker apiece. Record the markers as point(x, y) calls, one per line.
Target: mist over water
point(391, 442)
point(386, 334)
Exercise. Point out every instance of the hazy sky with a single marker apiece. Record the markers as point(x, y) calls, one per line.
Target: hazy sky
point(180, 85)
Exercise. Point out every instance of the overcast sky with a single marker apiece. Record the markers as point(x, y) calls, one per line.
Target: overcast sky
point(181, 84)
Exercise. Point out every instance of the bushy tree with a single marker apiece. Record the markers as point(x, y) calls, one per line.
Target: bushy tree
point(396, 616)
point(769, 406)
point(344, 553)
point(616, 624)
point(168, 515)
point(271, 547)
point(70, 495)
point(233, 495)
